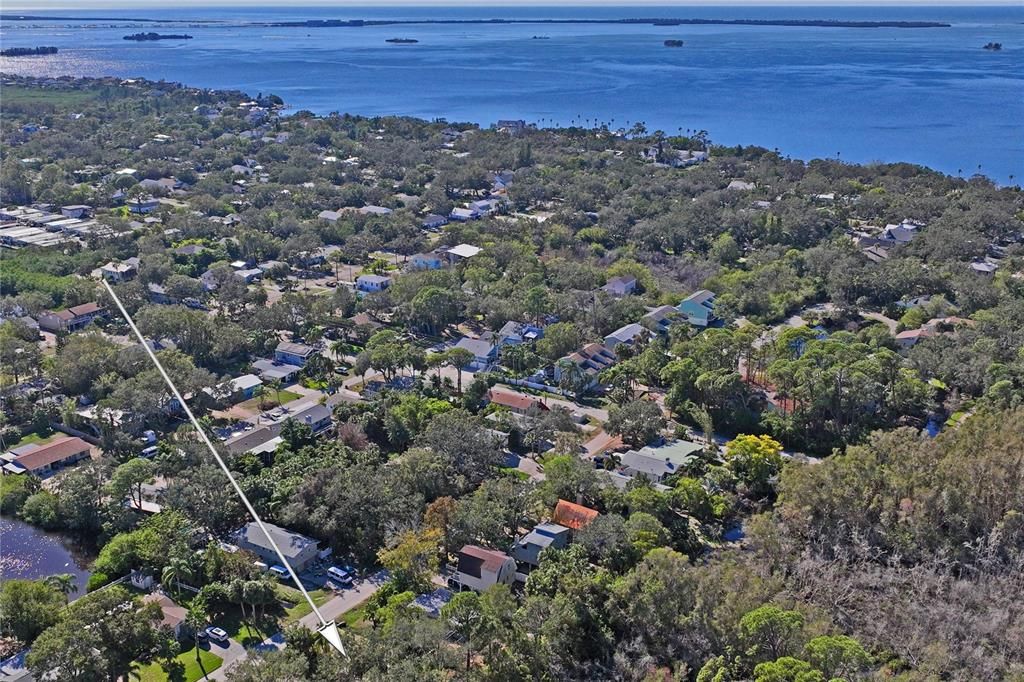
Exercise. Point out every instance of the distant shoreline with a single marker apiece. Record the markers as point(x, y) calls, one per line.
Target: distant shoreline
point(357, 23)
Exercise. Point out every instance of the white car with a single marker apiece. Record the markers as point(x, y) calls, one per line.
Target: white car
point(217, 634)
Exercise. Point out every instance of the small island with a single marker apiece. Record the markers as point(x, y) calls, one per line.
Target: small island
point(142, 37)
point(673, 43)
point(402, 41)
point(27, 51)
point(995, 47)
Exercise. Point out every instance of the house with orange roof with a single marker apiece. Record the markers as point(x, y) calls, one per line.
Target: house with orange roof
point(572, 515)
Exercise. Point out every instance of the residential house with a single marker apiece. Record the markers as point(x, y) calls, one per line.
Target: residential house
point(620, 286)
point(434, 222)
point(299, 550)
point(903, 233)
point(143, 205)
point(71, 319)
point(158, 295)
point(592, 359)
point(172, 615)
point(479, 568)
point(520, 403)
point(249, 275)
point(462, 252)
point(371, 283)
point(660, 319)
point(253, 440)
point(271, 370)
point(986, 268)
point(238, 389)
point(314, 415)
point(484, 353)
point(75, 211)
point(120, 272)
point(484, 206)
point(374, 210)
point(526, 551)
point(426, 261)
point(627, 335)
point(42, 460)
point(573, 516)
point(329, 216)
point(657, 464)
point(463, 214)
point(909, 338)
point(433, 602)
point(514, 333)
point(510, 126)
point(699, 308)
point(288, 353)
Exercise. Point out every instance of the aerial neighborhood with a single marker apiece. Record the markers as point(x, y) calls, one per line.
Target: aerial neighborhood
point(575, 378)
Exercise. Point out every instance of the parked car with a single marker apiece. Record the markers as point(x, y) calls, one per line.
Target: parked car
point(339, 576)
point(217, 634)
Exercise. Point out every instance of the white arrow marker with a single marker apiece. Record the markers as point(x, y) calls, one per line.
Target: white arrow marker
point(328, 629)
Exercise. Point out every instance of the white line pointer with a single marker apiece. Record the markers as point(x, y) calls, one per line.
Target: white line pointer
point(328, 629)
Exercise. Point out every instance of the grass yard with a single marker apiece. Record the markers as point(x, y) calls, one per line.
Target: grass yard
point(35, 438)
point(268, 400)
point(356, 617)
point(35, 97)
point(301, 608)
point(194, 671)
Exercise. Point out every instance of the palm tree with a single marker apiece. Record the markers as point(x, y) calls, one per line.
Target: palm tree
point(63, 583)
point(459, 358)
point(276, 386)
point(175, 571)
point(337, 257)
point(195, 620)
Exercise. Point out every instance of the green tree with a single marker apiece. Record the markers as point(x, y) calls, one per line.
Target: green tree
point(837, 656)
point(756, 461)
point(28, 607)
point(128, 479)
point(638, 422)
point(769, 633)
point(63, 583)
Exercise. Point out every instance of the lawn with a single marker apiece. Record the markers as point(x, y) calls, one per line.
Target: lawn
point(194, 670)
point(268, 400)
point(356, 616)
point(301, 608)
point(35, 97)
point(245, 631)
point(35, 438)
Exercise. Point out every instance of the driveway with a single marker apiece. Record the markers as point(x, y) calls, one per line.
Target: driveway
point(230, 653)
point(233, 652)
point(346, 599)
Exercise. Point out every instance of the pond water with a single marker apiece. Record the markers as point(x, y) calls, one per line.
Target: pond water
point(28, 552)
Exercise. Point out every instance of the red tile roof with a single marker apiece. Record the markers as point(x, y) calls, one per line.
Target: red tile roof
point(50, 453)
point(573, 515)
point(515, 401)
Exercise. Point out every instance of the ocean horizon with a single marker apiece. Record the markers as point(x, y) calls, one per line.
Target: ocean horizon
point(930, 96)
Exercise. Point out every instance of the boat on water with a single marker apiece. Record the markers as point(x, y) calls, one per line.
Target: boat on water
point(401, 41)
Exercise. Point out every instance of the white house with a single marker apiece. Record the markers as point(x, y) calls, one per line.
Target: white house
point(370, 283)
point(462, 252)
point(479, 568)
